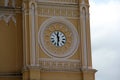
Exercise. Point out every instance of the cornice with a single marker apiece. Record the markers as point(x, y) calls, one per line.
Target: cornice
point(57, 65)
point(83, 4)
point(17, 74)
point(88, 70)
point(29, 67)
point(10, 10)
point(57, 4)
point(59, 1)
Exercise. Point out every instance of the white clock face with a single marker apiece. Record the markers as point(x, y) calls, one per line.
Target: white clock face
point(58, 38)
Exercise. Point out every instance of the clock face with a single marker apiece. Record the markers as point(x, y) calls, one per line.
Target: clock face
point(58, 38)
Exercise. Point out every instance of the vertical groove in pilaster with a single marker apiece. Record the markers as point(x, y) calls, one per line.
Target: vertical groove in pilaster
point(33, 45)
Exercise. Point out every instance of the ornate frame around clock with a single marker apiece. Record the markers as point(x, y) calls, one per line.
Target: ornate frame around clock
point(75, 38)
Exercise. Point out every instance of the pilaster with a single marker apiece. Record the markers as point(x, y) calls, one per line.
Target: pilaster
point(31, 69)
point(85, 34)
point(87, 72)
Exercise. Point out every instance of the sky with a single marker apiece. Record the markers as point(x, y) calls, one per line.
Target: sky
point(105, 38)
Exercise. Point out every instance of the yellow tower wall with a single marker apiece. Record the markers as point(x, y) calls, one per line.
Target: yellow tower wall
point(11, 40)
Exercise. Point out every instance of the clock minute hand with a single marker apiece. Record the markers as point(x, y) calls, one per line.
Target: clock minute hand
point(58, 39)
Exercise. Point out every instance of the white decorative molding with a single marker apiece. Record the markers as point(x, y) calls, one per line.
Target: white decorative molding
point(33, 41)
point(60, 1)
point(24, 37)
point(74, 45)
point(13, 3)
point(83, 1)
point(8, 17)
point(7, 3)
point(84, 31)
point(49, 11)
point(47, 64)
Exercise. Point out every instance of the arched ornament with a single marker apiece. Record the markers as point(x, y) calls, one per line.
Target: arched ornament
point(8, 18)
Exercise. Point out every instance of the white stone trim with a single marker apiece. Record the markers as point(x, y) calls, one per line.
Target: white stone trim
point(47, 64)
point(89, 67)
point(44, 11)
point(7, 1)
point(84, 33)
point(13, 3)
point(58, 60)
point(84, 26)
point(33, 38)
point(70, 12)
point(8, 17)
point(60, 1)
point(48, 16)
point(74, 45)
point(83, 1)
point(24, 37)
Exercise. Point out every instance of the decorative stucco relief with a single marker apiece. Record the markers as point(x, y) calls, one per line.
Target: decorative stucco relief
point(60, 1)
point(7, 18)
point(47, 11)
point(59, 65)
point(7, 3)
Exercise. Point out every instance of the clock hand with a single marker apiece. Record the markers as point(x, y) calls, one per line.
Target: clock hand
point(57, 38)
point(56, 41)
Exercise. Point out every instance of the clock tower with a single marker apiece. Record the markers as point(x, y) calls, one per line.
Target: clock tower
point(55, 39)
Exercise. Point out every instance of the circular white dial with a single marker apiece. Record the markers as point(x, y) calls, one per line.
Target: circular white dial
point(58, 38)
